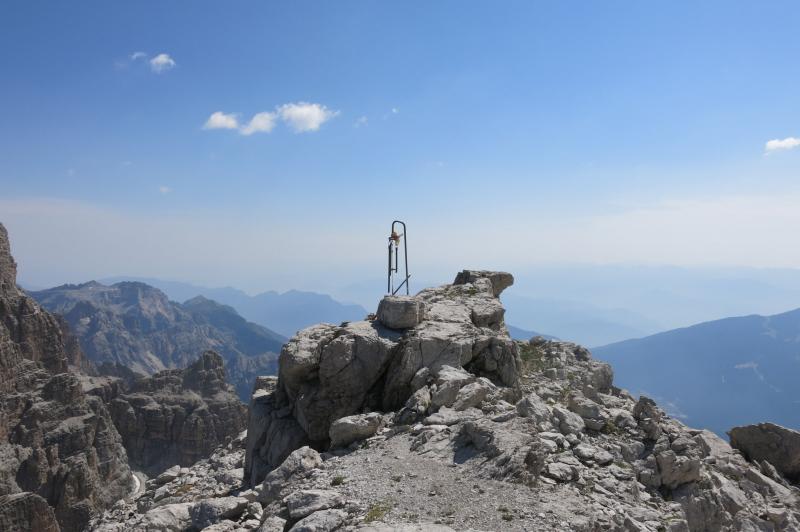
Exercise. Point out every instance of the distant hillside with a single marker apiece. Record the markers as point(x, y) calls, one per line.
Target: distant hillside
point(584, 323)
point(136, 325)
point(718, 374)
point(521, 334)
point(285, 313)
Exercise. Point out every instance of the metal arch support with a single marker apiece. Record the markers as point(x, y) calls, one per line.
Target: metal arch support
point(394, 266)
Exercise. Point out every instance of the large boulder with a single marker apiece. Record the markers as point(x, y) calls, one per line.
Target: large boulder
point(401, 312)
point(349, 429)
point(322, 521)
point(210, 511)
point(327, 373)
point(500, 280)
point(297, 465)
point(766, 441)
point(305, 502)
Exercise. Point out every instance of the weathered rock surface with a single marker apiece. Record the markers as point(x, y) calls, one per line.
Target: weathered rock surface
point(26, 511)
point(775, 444)
point(57, 444)
point(401, 312)
point(178, 416)
point(556, 448)
point(136, 325)
point(349, 429)
point(328, 372)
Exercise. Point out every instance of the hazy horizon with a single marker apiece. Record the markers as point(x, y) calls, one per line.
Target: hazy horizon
point(524, 137)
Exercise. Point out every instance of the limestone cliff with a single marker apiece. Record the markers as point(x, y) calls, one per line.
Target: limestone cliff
point(176, 417)
point(58, 446)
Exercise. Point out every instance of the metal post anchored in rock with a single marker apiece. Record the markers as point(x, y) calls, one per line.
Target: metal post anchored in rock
point(394, 259)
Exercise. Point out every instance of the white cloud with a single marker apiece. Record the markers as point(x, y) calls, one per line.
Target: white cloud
point(260, 123)
point(162, 63)
point(164, 189)
point(395, 110)
point(220, 120)
point(782, 144)
point(361, 121)
point(135, 56)
point(303, 116)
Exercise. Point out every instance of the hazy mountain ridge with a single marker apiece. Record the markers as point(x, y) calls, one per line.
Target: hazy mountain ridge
point(286, 312)
point(136, 325)
point(718, 374)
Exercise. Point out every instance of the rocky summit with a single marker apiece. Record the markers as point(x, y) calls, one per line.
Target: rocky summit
point(61, 459)
point(435, 420)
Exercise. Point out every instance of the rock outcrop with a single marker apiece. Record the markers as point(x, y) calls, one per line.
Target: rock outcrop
point(328, 372)
point(448, 426)
point(771, 443)
point(58, 445)
point(137, 326)
point(177, 416)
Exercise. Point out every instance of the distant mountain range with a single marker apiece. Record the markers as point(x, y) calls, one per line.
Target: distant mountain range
point(137, 326)
point(578, 322)
point(286, 312)
point(524, 335)
point(718, 374)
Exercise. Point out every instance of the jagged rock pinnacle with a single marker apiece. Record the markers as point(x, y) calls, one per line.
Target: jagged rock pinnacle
point(8, 268)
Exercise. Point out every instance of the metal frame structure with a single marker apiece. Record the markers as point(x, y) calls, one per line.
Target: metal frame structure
point(394, 240)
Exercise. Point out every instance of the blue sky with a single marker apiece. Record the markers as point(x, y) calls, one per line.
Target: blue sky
point(505, 133)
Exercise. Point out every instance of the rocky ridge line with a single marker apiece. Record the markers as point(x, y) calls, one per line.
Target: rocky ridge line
point(61, 459)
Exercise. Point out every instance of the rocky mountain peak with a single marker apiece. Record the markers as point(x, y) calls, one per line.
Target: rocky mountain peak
point(207, 375)
point(328, 372)
point(137, 326)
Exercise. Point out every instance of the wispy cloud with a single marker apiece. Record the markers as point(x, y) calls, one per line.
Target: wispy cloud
point(135, 56)
point(788, 143)
point(163, 189)
point(161, 63)
point(361, 121)
point(304, 116)
point(260, 123)
point(220, 120)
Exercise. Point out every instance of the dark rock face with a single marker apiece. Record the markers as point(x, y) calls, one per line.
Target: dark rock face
point(57, 444)
point(136, 325)
point(177, 416)
point(766, 441)
point(26, 511)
